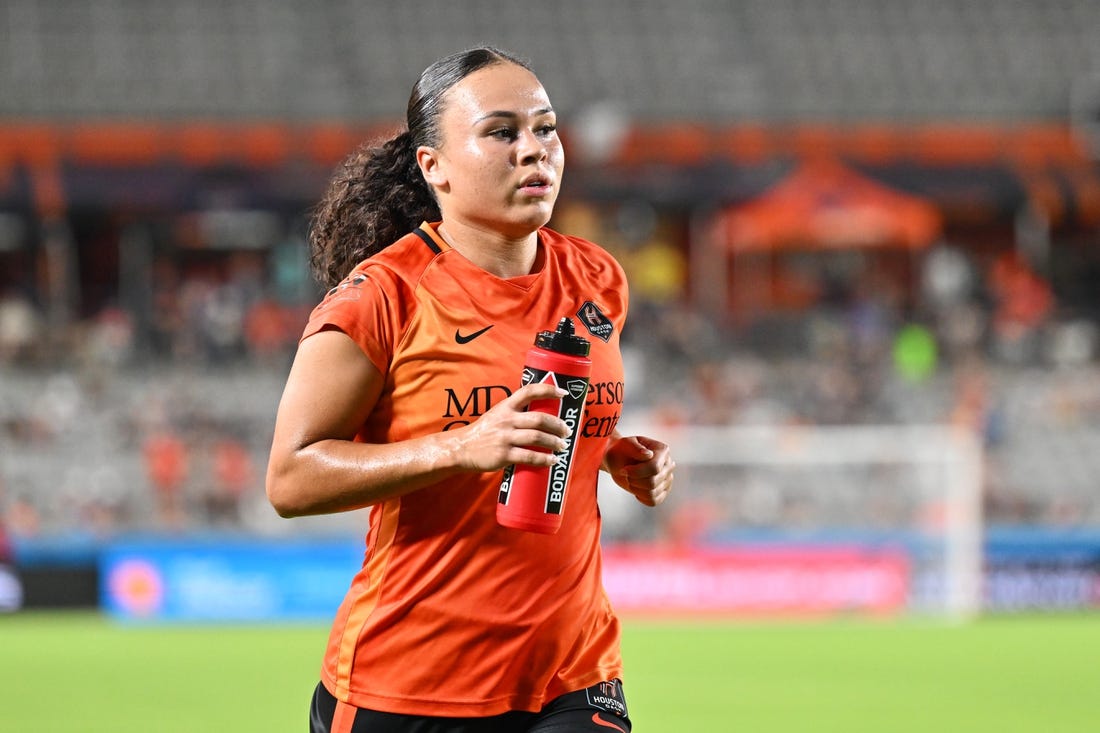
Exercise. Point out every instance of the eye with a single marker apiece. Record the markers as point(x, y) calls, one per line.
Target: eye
point(547, 130)
point(503, 133)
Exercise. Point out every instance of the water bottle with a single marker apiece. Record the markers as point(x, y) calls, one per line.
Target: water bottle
point(533, 497)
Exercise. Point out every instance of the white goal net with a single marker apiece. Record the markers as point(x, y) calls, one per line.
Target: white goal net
point(806, 518)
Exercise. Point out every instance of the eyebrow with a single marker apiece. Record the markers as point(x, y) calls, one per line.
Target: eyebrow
point(513, 115)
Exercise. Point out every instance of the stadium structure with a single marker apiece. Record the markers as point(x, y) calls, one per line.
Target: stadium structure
point(833, 212)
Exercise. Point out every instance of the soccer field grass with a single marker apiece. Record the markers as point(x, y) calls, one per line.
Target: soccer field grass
point(66, 673)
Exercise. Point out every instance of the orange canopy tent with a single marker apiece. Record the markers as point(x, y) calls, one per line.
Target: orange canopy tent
point(825, 205)
point(821, 207)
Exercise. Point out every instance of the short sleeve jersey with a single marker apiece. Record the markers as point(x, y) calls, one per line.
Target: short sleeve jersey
point(452, 614)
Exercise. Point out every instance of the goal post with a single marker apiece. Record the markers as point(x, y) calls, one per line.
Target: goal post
point(911, 492)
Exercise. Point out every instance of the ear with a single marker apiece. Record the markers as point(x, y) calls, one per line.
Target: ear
point(431, 166)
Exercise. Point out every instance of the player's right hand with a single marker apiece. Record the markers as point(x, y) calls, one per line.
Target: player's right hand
point(509, 433)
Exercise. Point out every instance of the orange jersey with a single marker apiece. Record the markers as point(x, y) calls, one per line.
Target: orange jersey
point(452, 614)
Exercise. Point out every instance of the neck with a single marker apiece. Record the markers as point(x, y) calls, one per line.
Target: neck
point(493, 252)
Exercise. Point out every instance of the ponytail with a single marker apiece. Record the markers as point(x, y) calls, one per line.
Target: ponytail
point(377, 196)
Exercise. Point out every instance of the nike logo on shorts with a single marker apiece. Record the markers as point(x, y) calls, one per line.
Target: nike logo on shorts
point(459, 338)
point(606, 724)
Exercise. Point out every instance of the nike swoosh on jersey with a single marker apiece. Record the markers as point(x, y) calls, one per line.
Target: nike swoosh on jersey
point(459, 338)
point(606, 724)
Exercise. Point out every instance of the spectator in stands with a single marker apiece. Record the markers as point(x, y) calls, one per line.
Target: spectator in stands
point(441, 273)
point(267, 331)
point(233, 476)
point(1023, 302)
point(109, 339)
point(22, 517)
point(166, 465)
point(20, 327)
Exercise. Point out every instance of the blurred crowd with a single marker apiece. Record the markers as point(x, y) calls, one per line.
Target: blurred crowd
point(161, 418)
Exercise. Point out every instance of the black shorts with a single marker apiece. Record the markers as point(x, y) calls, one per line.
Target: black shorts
point(600, 708)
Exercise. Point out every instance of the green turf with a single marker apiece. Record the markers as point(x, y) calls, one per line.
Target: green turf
point(62, 673)
point(998, 675)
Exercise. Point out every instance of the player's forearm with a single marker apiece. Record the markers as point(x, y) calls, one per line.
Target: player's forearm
point(337, 475)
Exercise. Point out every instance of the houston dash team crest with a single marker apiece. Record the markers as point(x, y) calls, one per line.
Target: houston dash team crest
point(595, 321)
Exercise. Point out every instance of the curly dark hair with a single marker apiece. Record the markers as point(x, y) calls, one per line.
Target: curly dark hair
point(378, 193)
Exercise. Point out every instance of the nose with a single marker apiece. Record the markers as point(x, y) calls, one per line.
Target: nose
point(531, 147)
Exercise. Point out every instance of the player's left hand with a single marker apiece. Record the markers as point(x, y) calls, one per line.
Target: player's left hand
point(642, 466)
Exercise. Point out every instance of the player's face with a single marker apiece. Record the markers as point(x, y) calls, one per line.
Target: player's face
point(500, 161)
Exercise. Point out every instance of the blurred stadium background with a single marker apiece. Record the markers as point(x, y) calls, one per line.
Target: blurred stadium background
point(836, 214)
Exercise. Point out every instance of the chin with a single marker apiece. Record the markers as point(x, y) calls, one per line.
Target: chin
point(528, 224)
point(545, 213)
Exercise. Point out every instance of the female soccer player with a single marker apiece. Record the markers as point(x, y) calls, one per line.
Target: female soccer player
point(404, 396)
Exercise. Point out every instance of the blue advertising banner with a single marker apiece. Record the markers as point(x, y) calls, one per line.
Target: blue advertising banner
point(227, 579)
point(1034, 570)
point(238, 578)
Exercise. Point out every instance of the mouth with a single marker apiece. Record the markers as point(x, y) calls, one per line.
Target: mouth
point(537, 184)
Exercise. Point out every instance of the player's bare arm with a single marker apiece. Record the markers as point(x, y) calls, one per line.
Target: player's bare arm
point(316, 467)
